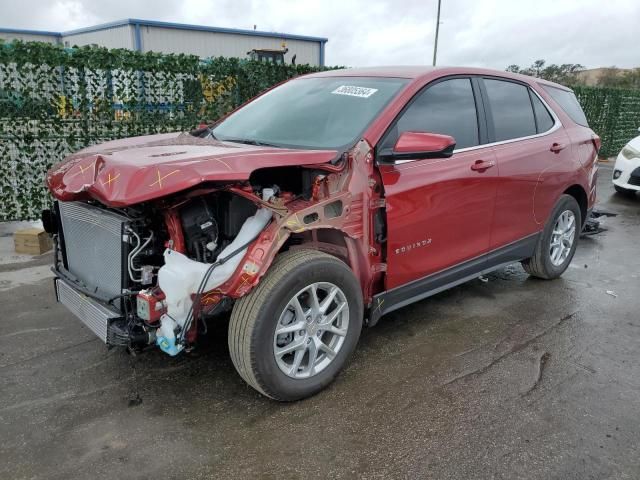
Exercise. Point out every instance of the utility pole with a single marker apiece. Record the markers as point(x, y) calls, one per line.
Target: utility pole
point(435, 45)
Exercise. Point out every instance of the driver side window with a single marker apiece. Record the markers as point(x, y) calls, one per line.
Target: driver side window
point(448, 107)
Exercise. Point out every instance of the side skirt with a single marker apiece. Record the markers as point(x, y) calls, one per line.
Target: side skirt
point(398, 297)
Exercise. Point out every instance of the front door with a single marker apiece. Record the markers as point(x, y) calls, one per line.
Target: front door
point(439, 211)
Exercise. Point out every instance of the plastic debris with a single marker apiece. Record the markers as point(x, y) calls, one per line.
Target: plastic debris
point(180, 277)
point(592, 226)
point(612, 293)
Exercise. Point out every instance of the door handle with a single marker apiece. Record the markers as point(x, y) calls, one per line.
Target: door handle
point(481, 165)
point(557, 147)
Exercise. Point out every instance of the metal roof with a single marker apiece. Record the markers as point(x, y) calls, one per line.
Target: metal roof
point(423, 71)
point(178, 26)
point(30, 32)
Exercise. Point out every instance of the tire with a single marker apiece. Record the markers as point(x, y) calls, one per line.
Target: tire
point(624, 191)
point(253, 343)
point(541, 264)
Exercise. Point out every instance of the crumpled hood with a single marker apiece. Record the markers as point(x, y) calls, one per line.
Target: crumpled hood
point(133, 170)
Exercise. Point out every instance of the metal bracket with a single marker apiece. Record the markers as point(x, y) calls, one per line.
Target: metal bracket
point(378, 203)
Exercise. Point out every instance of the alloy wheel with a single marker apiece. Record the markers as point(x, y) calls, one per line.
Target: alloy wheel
point(562, 237)
point(311, 330)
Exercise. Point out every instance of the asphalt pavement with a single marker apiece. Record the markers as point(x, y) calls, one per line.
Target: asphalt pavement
point(504, 377)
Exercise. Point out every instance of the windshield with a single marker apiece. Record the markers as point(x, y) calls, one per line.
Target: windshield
point(324, 113)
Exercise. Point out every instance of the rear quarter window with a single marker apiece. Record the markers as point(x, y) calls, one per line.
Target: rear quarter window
point(544, 120)
point(569, 103)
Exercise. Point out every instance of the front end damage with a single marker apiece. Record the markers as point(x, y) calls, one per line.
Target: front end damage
point(154, 272)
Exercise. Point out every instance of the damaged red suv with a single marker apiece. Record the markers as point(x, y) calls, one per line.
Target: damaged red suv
point(318, 207)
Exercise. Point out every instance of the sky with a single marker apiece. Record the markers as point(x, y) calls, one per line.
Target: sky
point(486, 33)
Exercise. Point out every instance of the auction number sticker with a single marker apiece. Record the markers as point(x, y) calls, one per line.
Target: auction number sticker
point(362, 92)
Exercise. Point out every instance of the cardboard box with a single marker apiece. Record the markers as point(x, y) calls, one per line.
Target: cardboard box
point(32, 241)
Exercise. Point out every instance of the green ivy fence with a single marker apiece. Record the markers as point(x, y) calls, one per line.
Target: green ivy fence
point(54, 101)
point(613, 113)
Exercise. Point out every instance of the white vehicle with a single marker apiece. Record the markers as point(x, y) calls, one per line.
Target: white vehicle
point(626, 172)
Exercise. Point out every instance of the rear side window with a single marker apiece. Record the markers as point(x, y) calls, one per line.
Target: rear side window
point(511, 109)
point(544, 119)
point(448, 107)
point(569, 103)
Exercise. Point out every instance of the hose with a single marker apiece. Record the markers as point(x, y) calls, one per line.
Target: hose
point(135, 253)
point(203, 283)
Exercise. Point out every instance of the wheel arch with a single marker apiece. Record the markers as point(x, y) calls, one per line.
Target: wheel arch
point(334, 242)
point(578, 192)
point(327, 240)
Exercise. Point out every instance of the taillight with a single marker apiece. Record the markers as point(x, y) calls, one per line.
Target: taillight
point(596, 141)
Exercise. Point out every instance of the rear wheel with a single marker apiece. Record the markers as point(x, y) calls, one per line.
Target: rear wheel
point(558, 241)
point(295, 331)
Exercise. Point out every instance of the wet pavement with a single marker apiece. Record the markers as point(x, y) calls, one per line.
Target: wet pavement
point(507, 378)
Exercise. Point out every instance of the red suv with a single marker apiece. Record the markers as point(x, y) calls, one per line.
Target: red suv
point(318, 207)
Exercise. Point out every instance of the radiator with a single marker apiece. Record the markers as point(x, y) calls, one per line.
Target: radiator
point(93, 246)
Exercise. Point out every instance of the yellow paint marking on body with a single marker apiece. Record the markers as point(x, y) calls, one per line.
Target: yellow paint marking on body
point(294, 222)
point(162, 177)
point(110, 179)
point(245, 281)
point(82, 170)
point(224, 163)
point(379, 307)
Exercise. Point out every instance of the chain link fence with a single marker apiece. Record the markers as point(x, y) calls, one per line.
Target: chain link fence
point(54, 101)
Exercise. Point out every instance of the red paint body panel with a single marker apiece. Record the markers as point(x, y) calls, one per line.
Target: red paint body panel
point(531, 180)
point(584, 150)
point(410, 142)
point(134, 170)
point(513, 202)
point(584, 145)
point(439, 213)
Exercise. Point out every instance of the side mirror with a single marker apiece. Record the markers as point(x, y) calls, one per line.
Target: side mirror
point(420, 145)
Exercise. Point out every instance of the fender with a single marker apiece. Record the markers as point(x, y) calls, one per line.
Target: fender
point(341, 202)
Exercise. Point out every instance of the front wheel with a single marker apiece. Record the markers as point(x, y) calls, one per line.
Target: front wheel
point(557, 242)
point(295, 331)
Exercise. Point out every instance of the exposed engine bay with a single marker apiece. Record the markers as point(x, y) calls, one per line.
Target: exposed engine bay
point(180, 276)
point(211, 222)
point(185, 258)
point(170, 258)
point(147, 269)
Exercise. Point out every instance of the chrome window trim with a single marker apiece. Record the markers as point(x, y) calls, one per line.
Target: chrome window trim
point(556, 125)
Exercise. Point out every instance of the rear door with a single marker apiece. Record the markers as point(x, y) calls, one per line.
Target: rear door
point(533, 153)
point(583, 140)
point(439, 211)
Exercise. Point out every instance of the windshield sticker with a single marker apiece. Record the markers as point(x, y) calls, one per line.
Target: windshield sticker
point(362, 92)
